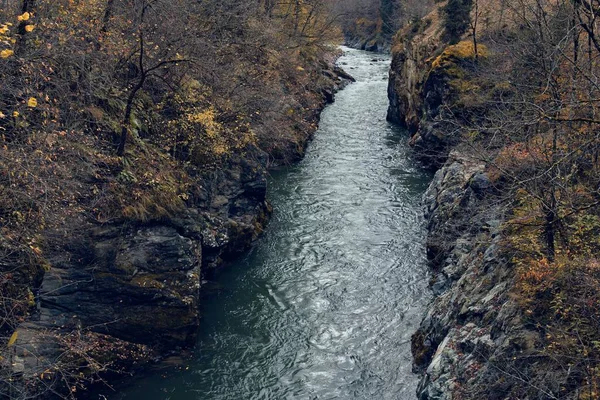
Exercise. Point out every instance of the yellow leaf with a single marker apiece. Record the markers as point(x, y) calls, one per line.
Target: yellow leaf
point(2, 116)
point(36, 250)
point(15, 114)
point(6, 53)
point(32, 102)
point(29, 28)
point(24, 17)
point(13, 339)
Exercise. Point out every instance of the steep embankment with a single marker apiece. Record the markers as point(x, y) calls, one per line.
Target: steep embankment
point(472, 319)
point(126, 291)
point(472, 324)
point(502, 323)
point(132, 169)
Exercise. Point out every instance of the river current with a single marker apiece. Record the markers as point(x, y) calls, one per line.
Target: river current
point(325, 304)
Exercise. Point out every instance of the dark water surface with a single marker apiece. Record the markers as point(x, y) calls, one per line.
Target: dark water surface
point(324, 305)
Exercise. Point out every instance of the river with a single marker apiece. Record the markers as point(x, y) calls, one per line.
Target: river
point(325, 304)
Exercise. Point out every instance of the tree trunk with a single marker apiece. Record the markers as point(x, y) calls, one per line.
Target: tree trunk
point(27, 6)
point(125, 125)
point(475, 20)
point(550, 232)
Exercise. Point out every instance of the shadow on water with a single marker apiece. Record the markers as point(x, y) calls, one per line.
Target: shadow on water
point(324, 305)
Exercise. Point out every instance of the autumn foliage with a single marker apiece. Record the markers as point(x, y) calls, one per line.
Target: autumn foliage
point(528, 109)
point(115, 111)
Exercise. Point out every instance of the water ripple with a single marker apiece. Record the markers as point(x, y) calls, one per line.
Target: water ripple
point(324, 306)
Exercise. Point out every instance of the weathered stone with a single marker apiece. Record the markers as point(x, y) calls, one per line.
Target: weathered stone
point(480, 183)
point(455, 341)
point(137, 285)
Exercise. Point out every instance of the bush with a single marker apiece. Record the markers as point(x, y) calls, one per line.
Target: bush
point(456, 17)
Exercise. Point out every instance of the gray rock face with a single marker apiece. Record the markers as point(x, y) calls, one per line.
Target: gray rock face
point(133, 295)
point(147, 271)
point(404, 83)
point(474, 342)
point(419, 95)
point(129, 292)
point(141, 282)
point(473, 326)
point(448, 201)
point(467, 326)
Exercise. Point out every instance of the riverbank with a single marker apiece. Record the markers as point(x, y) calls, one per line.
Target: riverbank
point(120, 277)
point(325, 303)
point(474, 325)
point(507, 278)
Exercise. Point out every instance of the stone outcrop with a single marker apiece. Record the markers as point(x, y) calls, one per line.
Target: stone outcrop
point(129, 292)
point(417, 90)
point(372, 43)
point(427, 83)
point(137, 286)
point(474, 340)
point(464, 324)
point(469, 343)
point(408, 74)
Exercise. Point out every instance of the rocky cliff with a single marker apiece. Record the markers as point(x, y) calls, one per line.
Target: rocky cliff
point(421, 87)
point(473, 325)
point(118, 293)
point(476, 340)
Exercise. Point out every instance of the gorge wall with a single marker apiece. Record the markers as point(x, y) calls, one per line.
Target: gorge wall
point(122, 293)
point(473, 325)
point(480, 338)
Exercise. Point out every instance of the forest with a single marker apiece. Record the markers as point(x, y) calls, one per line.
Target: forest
point(127, 123)
point(512, 87)
point(159, 115)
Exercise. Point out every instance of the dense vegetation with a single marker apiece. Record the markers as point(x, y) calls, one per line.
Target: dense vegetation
point(371, 25)
point(117, 111)
point(515, 85)
point(457, 19)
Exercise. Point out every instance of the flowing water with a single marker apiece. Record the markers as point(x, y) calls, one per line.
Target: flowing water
point(325, 304)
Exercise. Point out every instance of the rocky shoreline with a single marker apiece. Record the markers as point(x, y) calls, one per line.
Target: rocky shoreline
point(474, 324)
point(127, 294)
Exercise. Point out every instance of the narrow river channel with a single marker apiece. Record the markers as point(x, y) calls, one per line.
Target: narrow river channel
point(325, 304)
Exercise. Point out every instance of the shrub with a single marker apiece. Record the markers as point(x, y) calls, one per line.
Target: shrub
point(456, 17)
